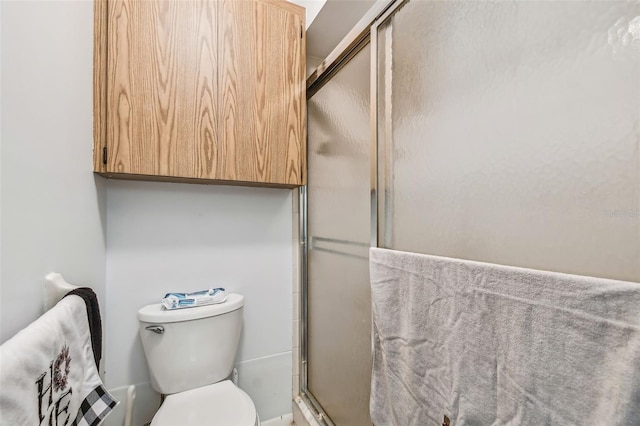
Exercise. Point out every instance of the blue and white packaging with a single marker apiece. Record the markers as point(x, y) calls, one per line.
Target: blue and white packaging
point(189, 300)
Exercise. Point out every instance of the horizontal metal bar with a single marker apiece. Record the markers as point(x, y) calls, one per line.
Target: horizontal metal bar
point(337, 241)
point(317, 243)
point(341, 253)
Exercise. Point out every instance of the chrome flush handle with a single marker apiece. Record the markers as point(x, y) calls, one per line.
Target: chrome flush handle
point(155, 328)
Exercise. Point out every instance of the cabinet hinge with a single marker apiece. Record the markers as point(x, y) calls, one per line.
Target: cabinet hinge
point(104, 155)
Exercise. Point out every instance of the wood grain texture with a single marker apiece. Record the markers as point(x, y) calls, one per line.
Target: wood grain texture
point(201, 89)
point(200, 181)
point(286, 5)
point(162, 88)
point(99, 82)
point(303, 103)
point(262, 92)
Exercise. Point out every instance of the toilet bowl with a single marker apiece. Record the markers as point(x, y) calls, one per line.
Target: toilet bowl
point(221, 403)
point(190, 353)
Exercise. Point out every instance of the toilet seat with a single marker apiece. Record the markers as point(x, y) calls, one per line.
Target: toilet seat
point(219, 404)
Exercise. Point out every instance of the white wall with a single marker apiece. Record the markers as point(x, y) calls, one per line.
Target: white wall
point(174, 237)
point(312, 8)
point(53, 209)
point(160, 236)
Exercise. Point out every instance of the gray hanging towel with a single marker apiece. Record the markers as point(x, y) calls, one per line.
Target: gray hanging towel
point(481, 344)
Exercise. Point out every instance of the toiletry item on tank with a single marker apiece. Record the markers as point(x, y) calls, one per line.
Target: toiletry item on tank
point(190, 300)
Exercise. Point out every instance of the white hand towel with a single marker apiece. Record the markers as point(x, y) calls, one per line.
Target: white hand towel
point(48, 374)
point(485, 344)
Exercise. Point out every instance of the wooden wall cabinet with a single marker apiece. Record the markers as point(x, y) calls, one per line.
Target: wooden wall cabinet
point(204, 91)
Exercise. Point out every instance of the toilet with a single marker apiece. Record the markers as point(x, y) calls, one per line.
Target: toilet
point(190, 353)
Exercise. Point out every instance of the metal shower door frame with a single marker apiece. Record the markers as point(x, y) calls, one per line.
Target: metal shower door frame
point(364, 34)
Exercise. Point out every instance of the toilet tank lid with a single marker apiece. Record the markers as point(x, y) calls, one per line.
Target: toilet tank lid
point(157, 314)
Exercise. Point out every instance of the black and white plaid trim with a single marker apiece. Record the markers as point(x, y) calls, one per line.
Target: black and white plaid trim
point(95, 407)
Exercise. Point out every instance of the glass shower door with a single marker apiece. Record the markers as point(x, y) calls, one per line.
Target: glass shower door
point(508, 133)
point(338, 364)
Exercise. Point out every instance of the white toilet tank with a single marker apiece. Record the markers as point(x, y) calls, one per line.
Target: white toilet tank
point(191, 347)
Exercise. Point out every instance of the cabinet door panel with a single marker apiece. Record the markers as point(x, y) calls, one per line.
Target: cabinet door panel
point(262, 93)
point(162, 88)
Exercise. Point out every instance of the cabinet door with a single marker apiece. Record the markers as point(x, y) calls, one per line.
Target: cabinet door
point(262, 108)
point(162, 88)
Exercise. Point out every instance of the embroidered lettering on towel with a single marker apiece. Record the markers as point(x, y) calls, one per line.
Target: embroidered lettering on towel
point(58, 380)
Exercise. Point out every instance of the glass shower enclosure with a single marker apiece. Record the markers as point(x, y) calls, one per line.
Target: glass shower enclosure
point(338, 237)
point(503, 132)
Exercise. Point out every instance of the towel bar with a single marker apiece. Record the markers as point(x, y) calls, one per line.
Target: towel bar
point(340, 247)
point(55, 287)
